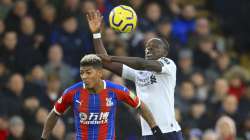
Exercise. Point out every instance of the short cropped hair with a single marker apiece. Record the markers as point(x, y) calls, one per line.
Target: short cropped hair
point(162, 42)
point(91, 60)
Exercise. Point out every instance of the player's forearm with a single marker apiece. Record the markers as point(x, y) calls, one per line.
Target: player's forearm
point(147, 115)
point(99, 47)
point(49, 124)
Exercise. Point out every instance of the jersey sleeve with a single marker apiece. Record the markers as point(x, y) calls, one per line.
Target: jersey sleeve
point(168, 65)
point(64, 102)
point(128, 73)
point(128, 97)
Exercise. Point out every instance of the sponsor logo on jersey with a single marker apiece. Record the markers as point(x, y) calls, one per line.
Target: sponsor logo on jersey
point(146, 80)
point(59, 100)
point(94, 117)
point(109, 102)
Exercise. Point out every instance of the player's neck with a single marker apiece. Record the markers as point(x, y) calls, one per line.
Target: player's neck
point(97, 88)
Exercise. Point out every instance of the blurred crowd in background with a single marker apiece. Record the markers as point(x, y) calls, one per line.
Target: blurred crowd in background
point(42, 41)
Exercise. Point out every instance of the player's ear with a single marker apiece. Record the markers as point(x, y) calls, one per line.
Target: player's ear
point(100, 72)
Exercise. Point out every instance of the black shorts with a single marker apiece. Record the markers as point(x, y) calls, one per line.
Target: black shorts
point(168, 136)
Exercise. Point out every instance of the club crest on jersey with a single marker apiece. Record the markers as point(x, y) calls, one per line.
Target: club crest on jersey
point(109, 102)
point(59, 100)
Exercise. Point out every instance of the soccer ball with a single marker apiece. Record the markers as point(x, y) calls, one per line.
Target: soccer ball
point(123, 19)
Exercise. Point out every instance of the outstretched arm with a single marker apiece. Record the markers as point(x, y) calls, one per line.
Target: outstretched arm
point(49, 124)
point(95, 22)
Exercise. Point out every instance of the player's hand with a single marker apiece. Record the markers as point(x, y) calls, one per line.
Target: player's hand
point(95, 21)
point(105, 57)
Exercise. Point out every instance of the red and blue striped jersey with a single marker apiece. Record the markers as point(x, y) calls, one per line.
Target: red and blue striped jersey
point(94, 113)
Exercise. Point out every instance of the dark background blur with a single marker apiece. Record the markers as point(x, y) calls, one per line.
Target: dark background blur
point(42, 41)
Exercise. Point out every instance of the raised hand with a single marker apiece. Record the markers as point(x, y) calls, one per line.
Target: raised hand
point(95, 21)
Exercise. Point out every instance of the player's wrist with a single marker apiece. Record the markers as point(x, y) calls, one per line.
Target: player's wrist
point(97, 35)
point(157, 132)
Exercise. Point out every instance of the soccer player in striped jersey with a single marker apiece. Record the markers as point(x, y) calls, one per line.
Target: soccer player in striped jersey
point(154, 77)
point(94, 103)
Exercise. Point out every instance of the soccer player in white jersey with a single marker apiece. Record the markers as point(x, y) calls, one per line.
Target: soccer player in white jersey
point(154, 77)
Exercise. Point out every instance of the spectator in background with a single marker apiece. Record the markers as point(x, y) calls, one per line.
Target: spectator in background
point(29, 46)
point(225, 128)
point(220, 68)
point(86, 6)
point(34, 126)
point(2, 29)
point(74, 42)
point(120, 48)
point(209, 135)
point(244, 103)
point(185, 24)
point(230, 107)
point(37, 76)
point(185, 96)
point(237, 77)
point(13, 96)
point(197, 117)
point(217, 95)
point(17, 129)
point(137, 6)
point(53, 91)
point(151, 18)
point(55, 65)
point(205, 53)
point(4, 132)
point(8, 52)
point(202, 29)
point(245, 130)
point(5, 7)
point(171, 8)
point(14, 17)
point(201, 87)
point(104, 6)
point(35, 8)
point(69, 7)
point(109, 39)
point(4, 73)
point(185, 65)
point(45, 26)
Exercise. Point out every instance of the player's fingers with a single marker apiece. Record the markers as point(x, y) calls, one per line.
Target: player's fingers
point(95, 15)
point(91, 15)
point(87, 15)
point(98, 13)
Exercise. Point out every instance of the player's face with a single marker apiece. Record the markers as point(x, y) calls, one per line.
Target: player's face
point(153, 50)
point(91, 76)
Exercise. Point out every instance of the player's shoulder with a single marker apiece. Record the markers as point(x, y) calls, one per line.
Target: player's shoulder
point(112, 85)
point(73, 87)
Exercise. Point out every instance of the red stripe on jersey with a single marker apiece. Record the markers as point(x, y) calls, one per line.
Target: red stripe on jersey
point(103, 129)
point(127, 97)
point(84, 99)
